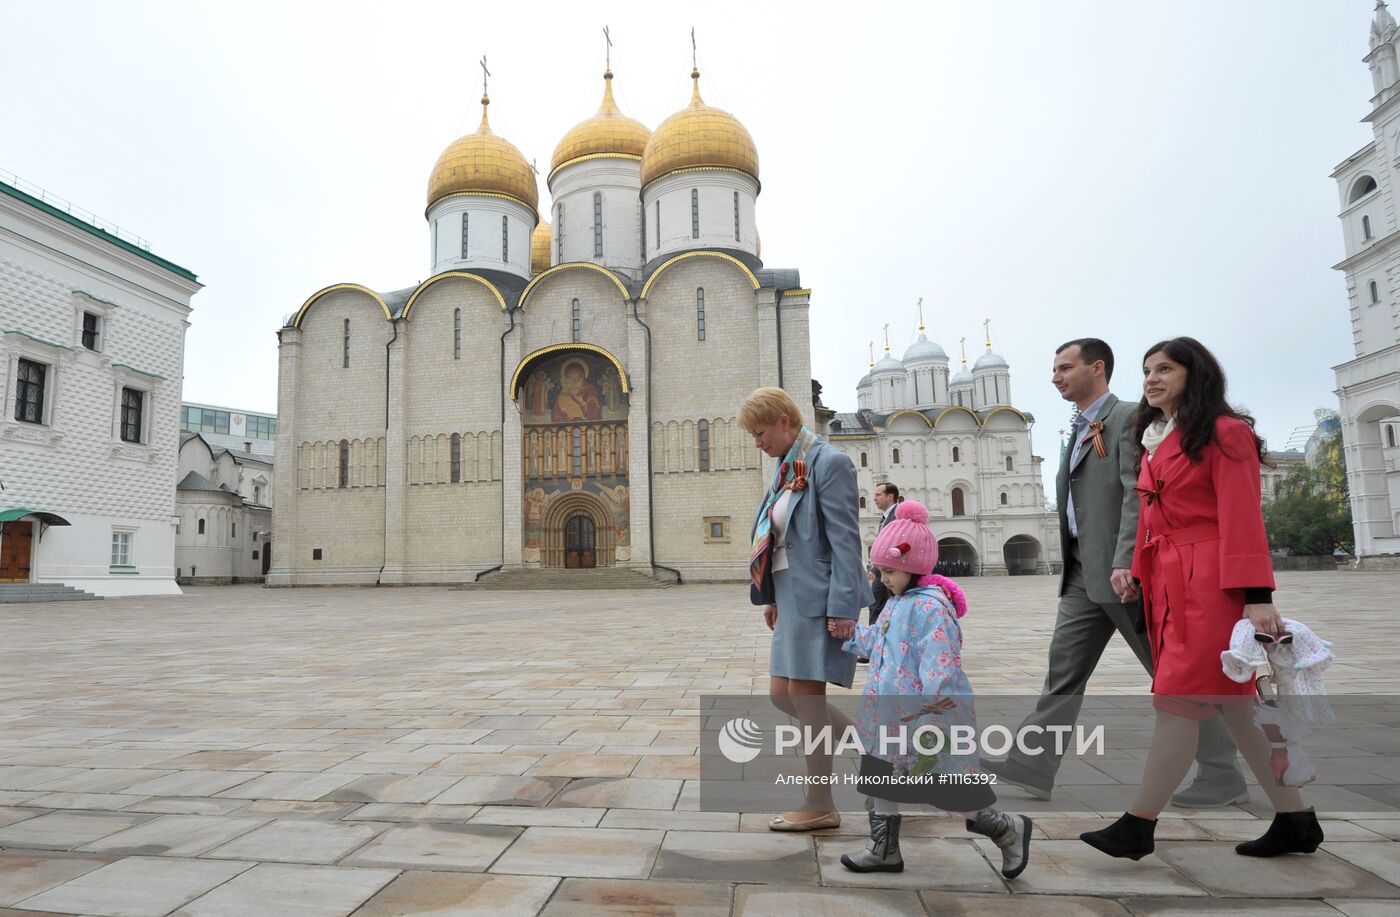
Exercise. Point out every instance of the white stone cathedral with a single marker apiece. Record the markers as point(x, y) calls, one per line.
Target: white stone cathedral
point(1368, 385)
point(552, 396)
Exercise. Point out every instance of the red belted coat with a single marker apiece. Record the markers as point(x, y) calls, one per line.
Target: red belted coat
point(1200, 544)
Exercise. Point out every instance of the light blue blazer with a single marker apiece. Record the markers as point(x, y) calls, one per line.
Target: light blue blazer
point(825, 557)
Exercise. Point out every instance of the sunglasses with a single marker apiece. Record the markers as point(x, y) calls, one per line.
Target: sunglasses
point(1285, 638)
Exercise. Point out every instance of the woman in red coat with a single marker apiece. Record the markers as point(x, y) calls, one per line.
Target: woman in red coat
point(1203, 560)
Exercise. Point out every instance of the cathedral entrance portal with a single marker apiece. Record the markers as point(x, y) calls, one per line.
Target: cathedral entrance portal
point(573, 403)
point(580, 542)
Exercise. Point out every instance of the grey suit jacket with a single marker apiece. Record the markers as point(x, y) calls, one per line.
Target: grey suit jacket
point(1105, 504)
point(823, 538)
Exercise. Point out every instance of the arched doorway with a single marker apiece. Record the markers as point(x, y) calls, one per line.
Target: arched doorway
point(573, 403)
point(266, 557)
point(1021, 554)
point(580, 542)
point(956, 557)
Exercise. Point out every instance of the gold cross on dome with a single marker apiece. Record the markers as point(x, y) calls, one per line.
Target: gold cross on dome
point(887, 337)
point(694, 58)
point(872, 353)
point(987, 327)
point(484, 74)
point(608, 38)
point(920, 307)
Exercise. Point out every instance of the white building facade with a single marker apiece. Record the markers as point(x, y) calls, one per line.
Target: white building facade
point(92, 340)
point(1368, 386)
point(552, 396)
point(959, 447)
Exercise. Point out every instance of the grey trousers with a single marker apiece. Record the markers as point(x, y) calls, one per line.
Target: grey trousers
point(1083, 628)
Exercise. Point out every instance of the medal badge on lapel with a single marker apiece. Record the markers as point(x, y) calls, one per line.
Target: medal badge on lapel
point(799, 476)
point(1096, 437)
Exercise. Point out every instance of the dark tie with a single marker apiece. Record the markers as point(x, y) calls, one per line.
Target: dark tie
point(1076, 424)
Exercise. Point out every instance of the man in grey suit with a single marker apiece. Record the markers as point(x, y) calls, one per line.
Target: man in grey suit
point(886, 499)
point(1098, 529)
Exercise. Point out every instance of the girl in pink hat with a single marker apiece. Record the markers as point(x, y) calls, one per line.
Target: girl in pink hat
point(916, 679)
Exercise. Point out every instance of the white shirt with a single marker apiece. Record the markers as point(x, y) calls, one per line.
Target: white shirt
point(1086, 416)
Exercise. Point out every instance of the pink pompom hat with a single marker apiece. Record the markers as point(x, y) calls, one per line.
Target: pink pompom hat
point(907, 543)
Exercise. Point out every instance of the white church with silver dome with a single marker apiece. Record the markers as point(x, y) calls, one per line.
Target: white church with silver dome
point(562, 391)
point(956, 444)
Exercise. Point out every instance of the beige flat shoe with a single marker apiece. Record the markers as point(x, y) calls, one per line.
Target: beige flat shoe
point(827, 820)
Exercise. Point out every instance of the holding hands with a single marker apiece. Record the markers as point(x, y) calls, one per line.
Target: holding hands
point(841, 628)
point(1124, 586)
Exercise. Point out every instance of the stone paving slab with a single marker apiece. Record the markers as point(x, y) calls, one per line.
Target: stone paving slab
point(805, 901)
point(137, 887)
point(1320, 875)
point(26, 874)
point(1210, 907)
point(943, 904)
point(607, 897)
point(296, 841)
point(175, 835)
point(444, 894)
point(290, 891)
point(65, 830)
point(617, 853)
point(463, 847)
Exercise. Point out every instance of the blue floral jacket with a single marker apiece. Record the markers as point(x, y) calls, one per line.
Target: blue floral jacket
point(915, 653)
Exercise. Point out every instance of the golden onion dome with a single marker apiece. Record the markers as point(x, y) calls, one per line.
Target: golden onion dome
point(540, 241)
point(699, 136)
point(608, 133)
point(483, 163)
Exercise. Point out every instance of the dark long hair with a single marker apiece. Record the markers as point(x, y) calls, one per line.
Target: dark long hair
point(1201, 403)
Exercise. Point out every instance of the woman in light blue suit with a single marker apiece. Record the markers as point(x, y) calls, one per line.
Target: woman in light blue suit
point(806, 568)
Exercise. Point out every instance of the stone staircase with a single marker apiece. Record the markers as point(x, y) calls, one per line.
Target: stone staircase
point(14, 593)
point(568, 580)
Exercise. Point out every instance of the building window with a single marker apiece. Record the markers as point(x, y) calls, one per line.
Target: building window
point(257, 494)
point(864, 460)
point(505, 238)
point(344, 480)
point(736, 216)
point(1003, 499)
point(456, 334)
point(959, 505)
point(316, 553)
point(644, 233)
point(233, 530)
point(597, 224)
point(957, 453)
point(456, 458)
point(345, 350)
point(1390, 437)
point(896, 456)
point(577, 323)
point(702, 433)
point(700, 314)
point(1375, 292)
point(1365, 227)
point(862, 503)
point(559, 235)
point(658, 225)
point(1010, 465)
point(132, 402)
point(577, 452)
point(1365, 186)
point(695, 213)
point(92, 326)
point(716, 529)
point(29, 391)
point(464, 237)
point(201, 526)
point(121, 549)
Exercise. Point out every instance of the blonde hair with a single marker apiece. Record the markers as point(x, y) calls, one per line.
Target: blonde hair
point(766, 405)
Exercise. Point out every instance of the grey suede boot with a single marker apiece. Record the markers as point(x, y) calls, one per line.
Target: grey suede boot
point(1012, 833)
point(882, 853)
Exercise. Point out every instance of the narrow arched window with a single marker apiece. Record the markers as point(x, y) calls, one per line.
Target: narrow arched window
point(559, 235)
point(864, 460)
point(700, 314)
point(1365, 186)
point(658, 224)
point(456, 458)
point(344, 463)
point(456, 334)
point(577, 452)
point(957, 454)
point(1003, 499)
point(1365, 227)
point(736, 216)
point(862, 503)
point(1375, 291)
point(464, 237)
point(695, 213)
point(597, 224)
point(702, 434)
point(505, 238)
point(959, 506)
point(1390, 437)
point(896, 456)
point(345, 349)
point(1010, 464)
point(577, 323)
point(201, 526)
point(643, 211)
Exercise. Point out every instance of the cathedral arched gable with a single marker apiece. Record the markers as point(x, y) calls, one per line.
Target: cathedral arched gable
point(572, 266)
point(336, 288)
point(678, 259)
point(464, 276)
point(954, 414)
point(923, 423)
point(604, 307)
point(1002, 424)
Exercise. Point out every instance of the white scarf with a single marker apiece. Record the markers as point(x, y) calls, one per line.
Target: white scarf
point(1155, 433)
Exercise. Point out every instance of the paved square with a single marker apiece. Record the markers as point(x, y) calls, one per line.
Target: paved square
point(430, 750)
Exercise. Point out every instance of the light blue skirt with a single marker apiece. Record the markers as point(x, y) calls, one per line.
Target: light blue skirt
point(802, 648)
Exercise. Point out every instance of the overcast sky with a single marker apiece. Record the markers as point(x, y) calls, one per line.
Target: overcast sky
point(1127, 170)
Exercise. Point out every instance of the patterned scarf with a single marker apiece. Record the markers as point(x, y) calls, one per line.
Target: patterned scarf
point(791, 474)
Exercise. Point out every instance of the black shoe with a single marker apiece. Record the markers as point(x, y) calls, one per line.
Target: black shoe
point(1129, 837)
point(1008, 771)
point(1290, 832)
point(861, 660)
point(1202, 794)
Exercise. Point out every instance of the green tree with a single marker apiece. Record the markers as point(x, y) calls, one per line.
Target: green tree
point(1311, 513)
